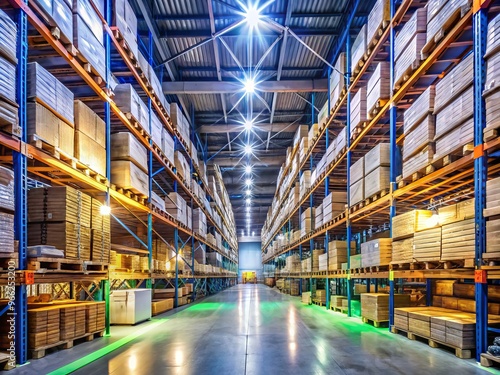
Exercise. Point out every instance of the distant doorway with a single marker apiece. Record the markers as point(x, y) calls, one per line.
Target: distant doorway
point(249, 277)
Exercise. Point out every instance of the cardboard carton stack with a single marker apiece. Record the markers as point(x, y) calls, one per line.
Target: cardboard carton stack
point(8, 62)
point(376, 252)
point(7, 208)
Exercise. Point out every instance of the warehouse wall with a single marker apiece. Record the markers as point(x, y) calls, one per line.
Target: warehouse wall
point(250, 258)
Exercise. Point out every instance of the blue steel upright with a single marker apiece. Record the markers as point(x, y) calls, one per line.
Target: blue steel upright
point(150, 168)
point(21, 191)
point(480, 25)
point(327, 185)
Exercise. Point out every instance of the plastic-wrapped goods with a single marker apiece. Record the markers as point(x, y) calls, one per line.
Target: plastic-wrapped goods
point(87, 13)
point(378, 86)
point(418, 161)
point(358, 48)
point(58, 13)
point(379, 14)
point(492, 73)
point(417, 24)
point(455, 139)
point(8, 37)
point(6, 233)
point(409, 58)
point(131, 104)
point(126, 21)
point(45, 126)
point(88, 46)
point(6, 189)
point(7, 80)
point(419, 137)
point(420, 108)
point(358, 109)
point(455, 113)
point(493, 37)
point(440, 12)
point(53, 94)
point(454, 83)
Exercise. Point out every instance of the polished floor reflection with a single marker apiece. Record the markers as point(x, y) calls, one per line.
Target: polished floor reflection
point(252, 329)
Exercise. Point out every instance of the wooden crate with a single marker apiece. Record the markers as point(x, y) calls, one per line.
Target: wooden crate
point(405, 225)
point(427, 245)
point(458, 240)
point(376, 252)
point(375, 306)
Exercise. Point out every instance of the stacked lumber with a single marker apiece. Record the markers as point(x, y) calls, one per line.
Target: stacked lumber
point(315, 259)
point(337, 253)
point(453, 108)
point(458, 240)
point(358, 111)
point(420, 129)
point(90, 138)
point(378, 88)
point(43, 327)
point(60, 217)
point(375, 306)
point(427, 245)
point(377, 252)
point(358, 49)
point(409, 42)
point(159, 306)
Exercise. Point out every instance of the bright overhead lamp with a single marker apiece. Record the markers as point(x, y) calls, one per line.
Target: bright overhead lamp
point(105, 210)
point(248, 200)
point(252, 16)
point(248, 149)
point(248, 125)
point(248, 169)
point(253, 233)
point(248, 209)
point(248, 182)
point(249, 86)
point(249, 192)
point(242, 232)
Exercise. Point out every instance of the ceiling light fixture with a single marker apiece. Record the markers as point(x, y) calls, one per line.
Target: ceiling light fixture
point(248, 149)
point(252, 16)
point(248, 182)
point(249, 192)
point(248, 169)
point(248, 125)
point(249, 201)
point(249, 86)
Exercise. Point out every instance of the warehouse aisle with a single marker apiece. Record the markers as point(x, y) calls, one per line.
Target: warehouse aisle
point(252, 329)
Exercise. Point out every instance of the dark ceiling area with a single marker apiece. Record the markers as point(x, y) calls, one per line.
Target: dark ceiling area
point(207, 50)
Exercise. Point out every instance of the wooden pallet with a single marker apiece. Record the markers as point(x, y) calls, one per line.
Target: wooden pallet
point(336, 308)
point(460, 353)
point(407, 74)
point(490, 134)
point(375, 323)
point(95, 266)
point(372, 112)
point(449, 24)
point(5, 364)
point(488, 360)
point(8, 259)
point(370, 269)
point(40, 352)
point(407, 266)
point(318, 302)
point(54, 264)
point(459, 263)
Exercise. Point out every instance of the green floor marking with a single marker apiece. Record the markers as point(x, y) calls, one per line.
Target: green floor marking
point(84, 361)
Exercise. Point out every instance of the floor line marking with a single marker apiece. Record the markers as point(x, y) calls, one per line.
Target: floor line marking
point(89, 358)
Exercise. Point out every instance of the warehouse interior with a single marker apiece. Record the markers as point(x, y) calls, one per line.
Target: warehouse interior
point(249, 186)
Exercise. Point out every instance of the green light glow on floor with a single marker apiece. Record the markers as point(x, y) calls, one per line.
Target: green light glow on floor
point(84, 361)
point(206, 306)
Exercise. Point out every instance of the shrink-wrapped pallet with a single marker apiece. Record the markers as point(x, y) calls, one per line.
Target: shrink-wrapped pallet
point(379, 156)
point(493, 36)
point(378, 88)
point(455, 113)
point(458, 240)
point(454, 83)
point(89, 46)
point(7, 80)
point(417, 24)
point(8, 37)
point(378, 17)
point(46, 89)
point(358, 48)
point(402, 251)
point(6, 189)
point(420, 108)
point(418, 161)
point(454, 140)
point(419, 137)
point(127, 175)
point(6, 232)
point(405, 225)
point(357, 170)
point(376, 252)
point(492, 73)
point(440, 14)
point(126, 21)
point(409, 59)
point(358, 110)
point(356, 192)
point(58, 15)
point(427, 245)
point(131, 104)
point(124, 146)
point(377, 181)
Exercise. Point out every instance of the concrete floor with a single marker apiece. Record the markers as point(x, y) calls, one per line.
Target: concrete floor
point(252, 329)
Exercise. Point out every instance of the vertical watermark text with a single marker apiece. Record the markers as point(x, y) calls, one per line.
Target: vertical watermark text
point(11, 312)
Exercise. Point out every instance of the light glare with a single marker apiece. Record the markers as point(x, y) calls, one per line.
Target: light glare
point(248, 125)
point(248, 201)
point(248, 169)
point(249, 86)
point(249, 192)
point(252, 16)
point(248, 149)
point(248, 182)
point(105, 210)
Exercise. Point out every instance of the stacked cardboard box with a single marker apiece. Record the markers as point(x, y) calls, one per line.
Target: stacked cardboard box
point(358, 111)
point(306, 265)
point(90, 138)
point(168, 145)
point(176, 206)
point(125, 19)
point(315, 259)
point(336, 302)
point(403, 251)
point(307, 221)
point(200, 222)
point(378, 89)
point(427, 245)
point(6, 204)
point(60, 217)
point(100, 233)
point(179, 122)
point(182, 167)
point(357, 188)
point(129, 163)
point(318, 220)
point(58, 15)
point(305, 182)
point(419, 127)
point(323, 262)
point(458, 240)
point(377, 20)
point(337, 253)
point(358, 49)
point(405, 225)
point(376, 252)
point(440, 13)
point(409, 42)
point(375, 306)
point(491, 93)
point(127, 99)
point(321, 296)
point(51, 118)
point(43, 327)
point(337, 79)
point(355, 261)
point(88, 35)
point(334, 205)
